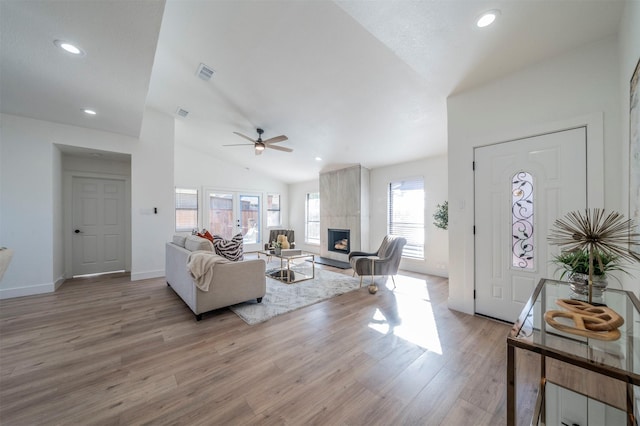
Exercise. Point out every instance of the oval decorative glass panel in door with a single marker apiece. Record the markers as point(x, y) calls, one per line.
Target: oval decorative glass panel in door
point(522, 220)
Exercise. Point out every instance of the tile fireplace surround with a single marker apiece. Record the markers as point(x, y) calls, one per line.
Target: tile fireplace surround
point(344, 204)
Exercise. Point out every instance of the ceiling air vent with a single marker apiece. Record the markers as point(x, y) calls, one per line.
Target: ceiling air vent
point(205, 72)
point(182, 112)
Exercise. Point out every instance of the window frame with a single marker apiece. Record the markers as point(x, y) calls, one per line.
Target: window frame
point(270, 210)
point(177, 208)
point(308, 240)
point(415, 247)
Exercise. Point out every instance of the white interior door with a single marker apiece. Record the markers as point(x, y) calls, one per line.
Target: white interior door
point(98, 223)
point(521, 188)
point(229, 213)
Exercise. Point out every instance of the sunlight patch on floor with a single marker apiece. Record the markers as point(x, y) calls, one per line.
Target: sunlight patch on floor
point(409, 286)
point(411, 319)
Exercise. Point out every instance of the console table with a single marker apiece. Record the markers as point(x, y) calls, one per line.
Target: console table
point(618, 361)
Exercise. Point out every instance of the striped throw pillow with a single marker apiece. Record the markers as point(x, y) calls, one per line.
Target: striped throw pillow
point(229, 249)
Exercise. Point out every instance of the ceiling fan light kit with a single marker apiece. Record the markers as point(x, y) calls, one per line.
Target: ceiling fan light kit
point(259, 145)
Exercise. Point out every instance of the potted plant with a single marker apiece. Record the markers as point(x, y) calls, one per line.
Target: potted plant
point(600, 237)
point(441, 216)
point(276, 246)
point(575, 267)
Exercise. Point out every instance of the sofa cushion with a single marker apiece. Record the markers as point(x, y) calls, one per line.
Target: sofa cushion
point(179, 240)
point(193, 243)
point(230, 249)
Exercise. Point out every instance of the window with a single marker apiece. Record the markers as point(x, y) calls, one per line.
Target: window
point(186, 209)
point(273, 210)
point(406, 215)
point(312, 219)
point(522, 220)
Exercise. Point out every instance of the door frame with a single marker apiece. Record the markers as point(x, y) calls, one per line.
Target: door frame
point(204, 215)
point(594, 124)
point(67, 226)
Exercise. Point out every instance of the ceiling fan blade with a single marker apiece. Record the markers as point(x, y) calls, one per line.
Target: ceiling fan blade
point(277, 139)
point(246, 137)
point(279, 148)
point(240, 144)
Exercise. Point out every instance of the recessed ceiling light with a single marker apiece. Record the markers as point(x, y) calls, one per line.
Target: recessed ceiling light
point(68, 47)
point(318, 159)
point(487, 18)
point(89, 111)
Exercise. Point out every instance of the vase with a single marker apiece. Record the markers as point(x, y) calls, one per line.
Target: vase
point(579, 284)
point(276, 250)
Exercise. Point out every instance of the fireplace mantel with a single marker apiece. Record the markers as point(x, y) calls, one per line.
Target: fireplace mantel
point(344, 204)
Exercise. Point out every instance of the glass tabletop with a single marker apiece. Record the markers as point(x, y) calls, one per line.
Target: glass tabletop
point(294, 254)
point(620, 357)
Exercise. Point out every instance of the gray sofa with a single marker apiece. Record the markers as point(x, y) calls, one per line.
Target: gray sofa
point(233, 282)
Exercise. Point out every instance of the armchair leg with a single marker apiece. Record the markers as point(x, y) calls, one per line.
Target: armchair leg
point(394, 281)
point(360, 280)
point(354, 273)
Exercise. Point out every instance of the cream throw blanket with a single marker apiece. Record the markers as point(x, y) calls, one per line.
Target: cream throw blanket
point(200, 265)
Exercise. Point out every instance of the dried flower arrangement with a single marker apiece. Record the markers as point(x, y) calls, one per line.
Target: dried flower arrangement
point(600, 234)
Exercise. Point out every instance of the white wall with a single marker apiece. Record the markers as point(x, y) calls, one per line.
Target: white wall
point(28, 210)
point(27, 206)
point(199, 170)
point(297, 204)
point(96, 165)
point(152, 171)
point(434, 172)
point(580, 83)
point(629, 38)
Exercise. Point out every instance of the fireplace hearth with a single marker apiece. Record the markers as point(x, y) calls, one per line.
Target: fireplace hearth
point(338, 240)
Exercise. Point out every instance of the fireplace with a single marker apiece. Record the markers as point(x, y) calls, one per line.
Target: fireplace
point(338, 240)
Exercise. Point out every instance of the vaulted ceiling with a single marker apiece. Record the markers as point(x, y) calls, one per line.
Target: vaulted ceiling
point(347, 81)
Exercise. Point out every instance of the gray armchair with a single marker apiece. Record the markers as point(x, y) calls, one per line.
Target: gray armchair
point(389, 254)
point(273, 236)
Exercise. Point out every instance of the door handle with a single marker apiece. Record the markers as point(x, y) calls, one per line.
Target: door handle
point(77, 231)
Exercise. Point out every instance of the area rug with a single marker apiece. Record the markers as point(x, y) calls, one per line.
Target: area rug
point(282, 298)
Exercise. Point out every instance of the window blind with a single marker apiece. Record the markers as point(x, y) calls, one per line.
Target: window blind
point(405, 207)
point(273, 210)
point(312, 222)
point(186, 209)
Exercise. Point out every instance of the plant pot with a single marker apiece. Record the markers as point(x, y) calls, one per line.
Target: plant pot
point(579, 284)
point(277, 250)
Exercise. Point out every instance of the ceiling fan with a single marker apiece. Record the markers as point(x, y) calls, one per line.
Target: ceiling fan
point(260, 145)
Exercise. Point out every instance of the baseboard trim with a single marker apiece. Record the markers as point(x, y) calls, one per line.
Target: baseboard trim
point(58, 283)
point(146, 275)
point(10, 293)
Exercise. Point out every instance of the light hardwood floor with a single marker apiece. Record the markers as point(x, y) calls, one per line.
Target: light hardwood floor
point(109, 351)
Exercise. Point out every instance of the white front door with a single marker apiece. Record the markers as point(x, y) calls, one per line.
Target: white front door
point(521, 188)
point(228, 213)
point(99, 225)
